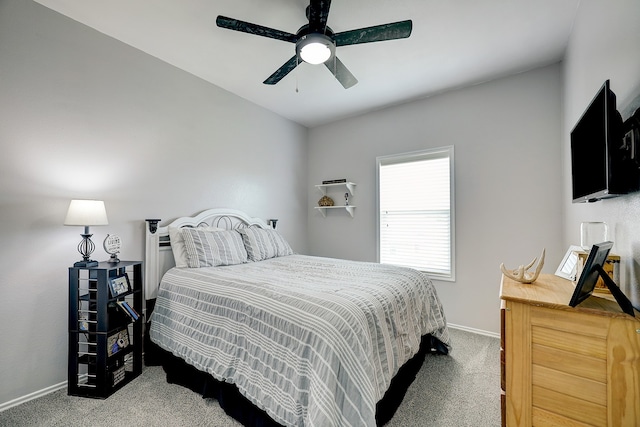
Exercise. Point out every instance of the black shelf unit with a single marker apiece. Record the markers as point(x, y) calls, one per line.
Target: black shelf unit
point(95, 322)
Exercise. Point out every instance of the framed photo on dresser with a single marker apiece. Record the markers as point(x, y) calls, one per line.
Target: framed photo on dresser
point(569, 265)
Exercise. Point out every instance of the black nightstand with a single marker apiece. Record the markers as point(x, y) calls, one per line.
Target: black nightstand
point(105, 339)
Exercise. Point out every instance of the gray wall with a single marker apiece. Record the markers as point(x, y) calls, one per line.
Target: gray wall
point(508, 188)
point(85, 116)
point(605, 44)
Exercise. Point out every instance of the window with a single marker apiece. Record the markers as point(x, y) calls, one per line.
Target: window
point(416, 211)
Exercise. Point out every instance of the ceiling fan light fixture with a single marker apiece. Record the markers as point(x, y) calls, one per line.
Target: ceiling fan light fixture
point(315, 48)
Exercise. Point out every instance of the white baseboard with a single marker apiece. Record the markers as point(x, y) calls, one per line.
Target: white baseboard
point(473, 330)
point(31, 396)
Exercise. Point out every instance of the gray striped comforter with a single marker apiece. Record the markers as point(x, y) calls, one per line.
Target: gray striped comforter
point(312, 341)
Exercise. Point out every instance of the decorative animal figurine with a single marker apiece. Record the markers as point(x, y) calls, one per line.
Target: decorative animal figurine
point(521, 274)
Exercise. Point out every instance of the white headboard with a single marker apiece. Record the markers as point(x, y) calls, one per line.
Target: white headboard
point(158, 254)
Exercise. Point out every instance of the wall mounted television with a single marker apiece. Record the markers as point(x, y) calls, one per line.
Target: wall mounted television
point(601, 167)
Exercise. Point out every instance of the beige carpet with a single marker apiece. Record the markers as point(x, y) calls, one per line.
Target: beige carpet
point(461, 389)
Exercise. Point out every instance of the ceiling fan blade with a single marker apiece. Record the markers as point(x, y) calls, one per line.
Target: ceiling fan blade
point(258, 30)
point(377, 33)
point(282, 71)
point(342, 74)
point(318, 12)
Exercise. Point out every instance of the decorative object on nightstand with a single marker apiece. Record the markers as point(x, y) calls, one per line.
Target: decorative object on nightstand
point(521, 273)
point(86, 213)
point(119, 285)
point(105, 328)
point(112, 245)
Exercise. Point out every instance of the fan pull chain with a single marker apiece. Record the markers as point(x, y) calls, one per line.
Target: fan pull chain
point(297, 64)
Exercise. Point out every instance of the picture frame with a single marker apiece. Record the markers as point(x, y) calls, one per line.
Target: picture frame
point(568, 267)
point(593, 269)
point(117, 342)
point(119, 285)
point(590, 273)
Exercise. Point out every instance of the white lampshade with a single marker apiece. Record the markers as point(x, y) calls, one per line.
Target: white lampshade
point(315, 48)
point(86, 212)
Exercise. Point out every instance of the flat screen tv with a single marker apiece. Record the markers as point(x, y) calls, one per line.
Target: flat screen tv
point(598, 165)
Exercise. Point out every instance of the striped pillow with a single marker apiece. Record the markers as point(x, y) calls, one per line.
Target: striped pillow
point(213, 248)
point(177, 244)
point(264, 243)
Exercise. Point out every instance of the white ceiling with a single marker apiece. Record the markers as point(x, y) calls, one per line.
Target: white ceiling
point(454, 43)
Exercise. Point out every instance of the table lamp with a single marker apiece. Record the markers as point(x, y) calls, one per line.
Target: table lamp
point(86, 213)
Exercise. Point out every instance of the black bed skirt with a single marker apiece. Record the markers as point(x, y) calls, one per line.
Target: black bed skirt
point(240, 408)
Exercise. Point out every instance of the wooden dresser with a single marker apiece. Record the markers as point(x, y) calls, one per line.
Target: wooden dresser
point(565, 366)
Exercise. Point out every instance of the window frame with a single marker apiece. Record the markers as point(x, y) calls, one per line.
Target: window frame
point(433, 153)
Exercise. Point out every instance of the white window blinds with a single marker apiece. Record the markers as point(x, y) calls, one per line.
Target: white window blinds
point(415, 199)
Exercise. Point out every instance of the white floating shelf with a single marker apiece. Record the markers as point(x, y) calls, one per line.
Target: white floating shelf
point(323, 209)
point(351, 187)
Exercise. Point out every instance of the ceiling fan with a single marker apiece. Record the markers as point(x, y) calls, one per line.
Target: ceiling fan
point(316, 42)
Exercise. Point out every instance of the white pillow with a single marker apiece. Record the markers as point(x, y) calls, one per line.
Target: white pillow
point(262, 243)
point(211, 249)
point(177, 244)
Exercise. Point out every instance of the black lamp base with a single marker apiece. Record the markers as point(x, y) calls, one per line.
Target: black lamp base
point(86, 248)
point(88, 263)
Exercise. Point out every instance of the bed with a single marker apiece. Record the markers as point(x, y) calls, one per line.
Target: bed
point(281, 338)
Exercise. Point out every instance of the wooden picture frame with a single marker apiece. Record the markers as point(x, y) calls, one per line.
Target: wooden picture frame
point(119, 285)
point(569, 265)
